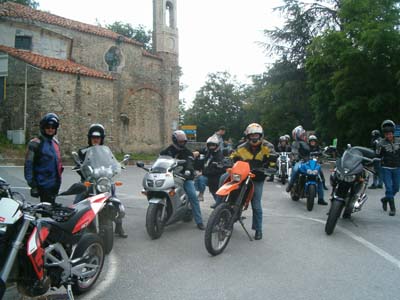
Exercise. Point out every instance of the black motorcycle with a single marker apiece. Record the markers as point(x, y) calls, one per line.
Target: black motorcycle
point(349, 182)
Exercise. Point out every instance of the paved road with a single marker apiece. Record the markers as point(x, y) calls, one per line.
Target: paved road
point(294, 260)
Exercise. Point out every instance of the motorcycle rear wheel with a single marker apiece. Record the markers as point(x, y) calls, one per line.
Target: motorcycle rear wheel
point(333, 216)
point(310, 197)
point(154, 223)
point(90, 248)
point(218, 230)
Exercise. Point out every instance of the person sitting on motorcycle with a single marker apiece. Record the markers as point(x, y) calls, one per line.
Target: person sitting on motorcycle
point(272, 163)
point(377, 182)
point(283, 145)
point(179, 150)
point(256, 152)
point(96, 135)
point(314, 147)
point(389, 150)
point(43, 167)
point(300, 153)
point(212, 167)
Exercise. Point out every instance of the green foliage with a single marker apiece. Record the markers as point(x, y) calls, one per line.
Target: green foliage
point(30, 3)
point(353, 72)
point(140, 33)
point(218, 102)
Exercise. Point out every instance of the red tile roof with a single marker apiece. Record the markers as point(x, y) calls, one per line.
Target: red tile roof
point(53, 64)
point(14, 10)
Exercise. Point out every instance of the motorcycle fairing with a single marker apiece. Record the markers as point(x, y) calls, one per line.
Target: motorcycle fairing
point(35, 250)
point(96, 204)
point(227, 188)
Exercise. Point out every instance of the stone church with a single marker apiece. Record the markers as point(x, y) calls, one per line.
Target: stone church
point(88, 74)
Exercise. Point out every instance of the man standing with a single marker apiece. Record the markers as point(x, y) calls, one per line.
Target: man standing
point(43, 165)
point(220, 136)
point(377, 180)
point(389, 150)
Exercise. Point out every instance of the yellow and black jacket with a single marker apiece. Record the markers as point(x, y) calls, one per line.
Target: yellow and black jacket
point(257, 157)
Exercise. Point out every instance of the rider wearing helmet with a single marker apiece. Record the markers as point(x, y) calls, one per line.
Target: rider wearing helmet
point(377, 182)
point(43, 165)
point(389, 150)
point(256, 152)
point(211, 168)
point(96, 135)
point(301, 151)
point(283, 145)
point(179, 150)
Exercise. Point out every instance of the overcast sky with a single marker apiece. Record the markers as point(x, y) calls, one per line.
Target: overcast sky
point(214, 35)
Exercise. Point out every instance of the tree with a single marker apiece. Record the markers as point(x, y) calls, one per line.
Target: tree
point(353, 72)
point(218, 102)
point(139, 33)
point(30, 3)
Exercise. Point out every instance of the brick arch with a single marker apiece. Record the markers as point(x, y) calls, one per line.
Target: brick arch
point(142, 120)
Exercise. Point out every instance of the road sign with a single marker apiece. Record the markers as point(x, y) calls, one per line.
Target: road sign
point(190, 131)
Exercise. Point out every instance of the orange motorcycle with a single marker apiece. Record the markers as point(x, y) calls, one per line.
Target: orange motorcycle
point(236, 193)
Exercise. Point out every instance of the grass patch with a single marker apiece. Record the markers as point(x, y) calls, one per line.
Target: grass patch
point(9, 150)
point(137, 156)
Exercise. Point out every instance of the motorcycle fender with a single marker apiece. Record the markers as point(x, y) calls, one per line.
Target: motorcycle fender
point(35, 251)
point(158, 201)
point(227, 188)
point(336, 198)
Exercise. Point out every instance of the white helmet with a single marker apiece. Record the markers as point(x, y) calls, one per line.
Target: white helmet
point(213, 141)
point(299, 133)
point(312, 138)
point(254, 128)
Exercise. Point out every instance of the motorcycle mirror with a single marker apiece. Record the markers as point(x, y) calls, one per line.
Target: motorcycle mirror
point(75, 156)
point(76, 188)
point(187, 173)
point(348, 146)
point(126, 159)
point(140, 164)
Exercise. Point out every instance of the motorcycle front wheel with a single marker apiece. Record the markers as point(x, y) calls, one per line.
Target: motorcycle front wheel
point(310, 197)
point(90, 250)
point(219, 229)
point(333, 216)
point(154, 221)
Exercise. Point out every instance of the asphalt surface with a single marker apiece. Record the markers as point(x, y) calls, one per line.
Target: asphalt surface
point(294, 260)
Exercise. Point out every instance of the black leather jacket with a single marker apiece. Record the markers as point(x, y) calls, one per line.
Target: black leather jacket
point(389, 152)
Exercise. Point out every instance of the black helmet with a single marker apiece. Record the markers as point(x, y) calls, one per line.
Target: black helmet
point(179, 139)
point(388, 126)
point(96, 130)
point(49, 119)
point(375, 133)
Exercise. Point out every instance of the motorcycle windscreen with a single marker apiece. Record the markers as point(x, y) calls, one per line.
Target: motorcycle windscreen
point(351, 162)
point(100, 162)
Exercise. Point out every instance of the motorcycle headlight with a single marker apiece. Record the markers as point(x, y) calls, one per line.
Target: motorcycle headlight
point(349, 178)
point(236, 177)
point(103, 185)
point(3, 228)
point(160, 182)
point(312, 172)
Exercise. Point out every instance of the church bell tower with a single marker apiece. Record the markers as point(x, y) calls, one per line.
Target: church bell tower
point(165, 31)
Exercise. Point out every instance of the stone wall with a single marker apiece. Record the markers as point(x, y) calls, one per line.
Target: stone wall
point(12, 109)
point(45, 42)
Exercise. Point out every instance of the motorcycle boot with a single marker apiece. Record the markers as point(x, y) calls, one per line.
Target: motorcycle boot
point(258, 235)
point(392, 207)
point(322, 202)
point(384, 201)
point(119, 230)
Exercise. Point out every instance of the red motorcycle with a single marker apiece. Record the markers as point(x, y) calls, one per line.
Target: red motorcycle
point(237, 193)
point(45, 246)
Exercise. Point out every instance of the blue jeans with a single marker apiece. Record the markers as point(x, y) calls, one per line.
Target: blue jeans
point(295, 171)
point(257, 206)
point(200, 183)
point(378, 176)
point(191, 193)
point(391, 179)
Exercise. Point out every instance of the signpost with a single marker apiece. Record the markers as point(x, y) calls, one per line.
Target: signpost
point(190, 131)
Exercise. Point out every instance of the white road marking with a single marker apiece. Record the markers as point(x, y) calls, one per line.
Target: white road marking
point(111, 275)
point(21, 187)
point(390, 258)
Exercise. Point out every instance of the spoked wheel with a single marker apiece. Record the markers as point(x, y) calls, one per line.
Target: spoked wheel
point(219, 229)
point(90, 250)
point(310, 197)
point(154, 220)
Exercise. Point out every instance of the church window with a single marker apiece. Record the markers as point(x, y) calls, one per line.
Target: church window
point(113, 58)
point(170, 21)
point(23, 42)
